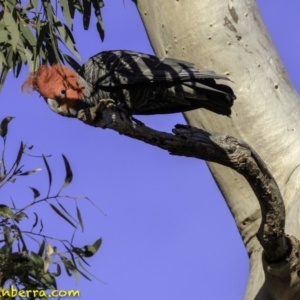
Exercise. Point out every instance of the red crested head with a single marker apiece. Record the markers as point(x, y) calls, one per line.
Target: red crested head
point(55, 82)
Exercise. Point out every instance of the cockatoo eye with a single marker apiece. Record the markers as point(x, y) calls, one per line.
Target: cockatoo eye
point(63, 93)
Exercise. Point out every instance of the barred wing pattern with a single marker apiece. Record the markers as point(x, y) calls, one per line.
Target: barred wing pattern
point(151, 85)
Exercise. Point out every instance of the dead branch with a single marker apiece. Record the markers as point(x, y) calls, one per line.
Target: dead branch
point(222, 149)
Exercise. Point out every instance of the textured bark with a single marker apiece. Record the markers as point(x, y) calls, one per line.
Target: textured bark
point(229, 37)
point(214, 147)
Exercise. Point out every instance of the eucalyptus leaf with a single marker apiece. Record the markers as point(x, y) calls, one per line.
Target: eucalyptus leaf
point(2, 57)
point(17, 69)
point(90, 250)
point(87, 6)
point(30, 172)
point(97, 8)
point(9, 57)
point(42, 248)
point(20, 153)
point(72, 62)
point(6, 212)
point(20, 216)
point(61, 215)
point(4, 126)
point(66, 36)
point(67, 7)
point(3, 75)
point(49, 174)
point(49, 281)
point(36, 221)
point(24, 28)
point(69, 173)
point(36, 193)
point(12, 28)
point(4, 36)
point(36, 260)
point(22, 55)
point(79, 218)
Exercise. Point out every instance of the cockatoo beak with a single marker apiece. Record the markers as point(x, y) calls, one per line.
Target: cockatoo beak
point(60, 108)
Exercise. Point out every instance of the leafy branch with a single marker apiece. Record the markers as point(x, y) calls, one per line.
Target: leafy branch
point(33, 34)
point(20, 266)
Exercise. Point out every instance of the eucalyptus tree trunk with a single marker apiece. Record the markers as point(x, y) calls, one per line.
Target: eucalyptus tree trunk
point(230, 38)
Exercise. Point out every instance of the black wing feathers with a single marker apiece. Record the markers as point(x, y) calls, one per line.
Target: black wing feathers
point(113, 68)
point(133, 71)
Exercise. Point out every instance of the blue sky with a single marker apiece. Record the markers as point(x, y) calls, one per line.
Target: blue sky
point(167, 232)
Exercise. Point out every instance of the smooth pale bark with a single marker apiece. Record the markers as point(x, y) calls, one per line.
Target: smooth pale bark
point(230, 38)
